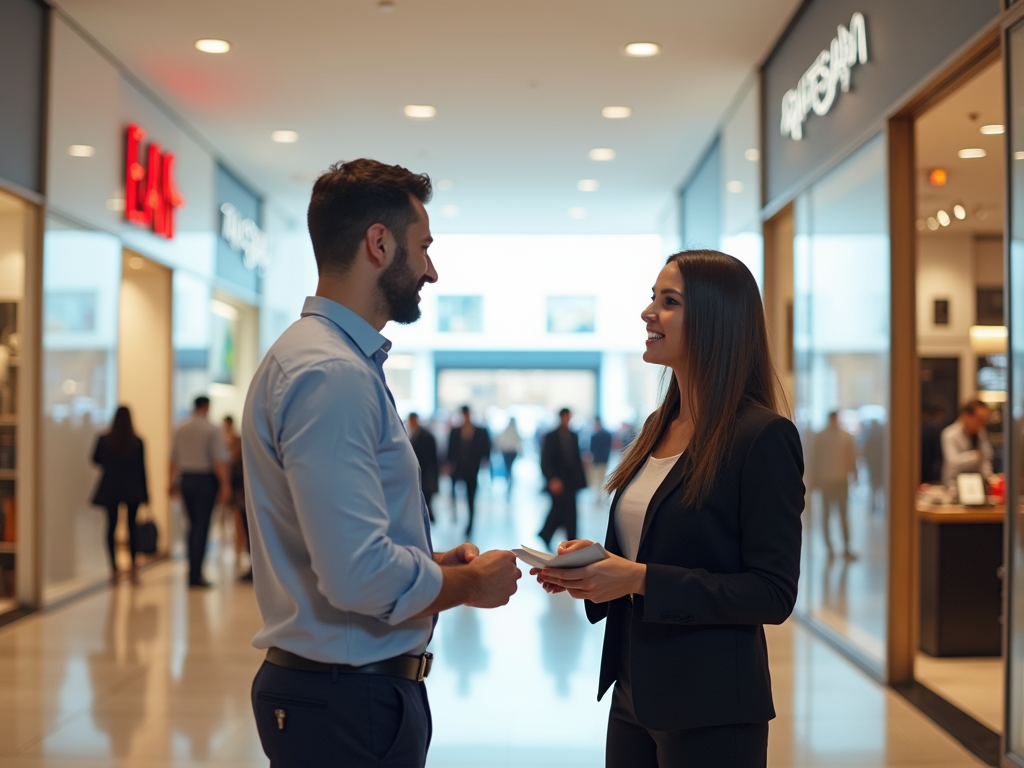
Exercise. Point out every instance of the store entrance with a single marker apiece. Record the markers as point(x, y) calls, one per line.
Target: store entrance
point(144, 377)
point(961, 347)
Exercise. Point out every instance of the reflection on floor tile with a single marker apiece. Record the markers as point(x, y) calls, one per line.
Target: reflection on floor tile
point(158, 677)
point(975, 685)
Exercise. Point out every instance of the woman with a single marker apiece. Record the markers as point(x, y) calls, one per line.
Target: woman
point(233, 442)
point(704, 534)
point(121, 455)
point(509, 445)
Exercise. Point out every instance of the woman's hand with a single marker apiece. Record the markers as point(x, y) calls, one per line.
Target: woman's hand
point(601, 582)
point(565, 546)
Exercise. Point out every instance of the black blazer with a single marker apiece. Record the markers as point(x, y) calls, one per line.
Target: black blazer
point(425, 447)
point(466, 459)
point(554, 463)
point(124, 477)
point(715, 574)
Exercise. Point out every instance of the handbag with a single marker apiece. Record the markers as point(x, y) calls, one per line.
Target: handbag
point(146, 535)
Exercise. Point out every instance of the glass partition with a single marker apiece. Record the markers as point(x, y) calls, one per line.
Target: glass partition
point(81, 288)
point(841, 364)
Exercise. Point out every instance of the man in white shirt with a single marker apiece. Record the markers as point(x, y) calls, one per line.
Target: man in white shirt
point(965, 445)
point(834, 462)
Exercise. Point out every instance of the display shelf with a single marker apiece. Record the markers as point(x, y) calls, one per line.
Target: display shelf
point(8, 420)
point(8, 546)
point(8, 474)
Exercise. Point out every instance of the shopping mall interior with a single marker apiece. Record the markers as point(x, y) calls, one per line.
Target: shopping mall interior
point(864, 161)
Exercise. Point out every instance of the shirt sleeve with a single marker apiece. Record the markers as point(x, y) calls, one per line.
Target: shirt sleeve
point(331, 423)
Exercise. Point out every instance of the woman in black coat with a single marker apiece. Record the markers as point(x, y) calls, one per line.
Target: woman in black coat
point(121, 455)
point(704, 534)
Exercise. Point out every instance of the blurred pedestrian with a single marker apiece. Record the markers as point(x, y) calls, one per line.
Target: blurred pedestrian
point(834, 461)
point(873, 451)
point(121, 455)
point(233, 443)
point(598, 453)
point(468, 448)
point(562, 465)
point(424, 445)
point(510, 444)
point(200, 457)
point(965, 445)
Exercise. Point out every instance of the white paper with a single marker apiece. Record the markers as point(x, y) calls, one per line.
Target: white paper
point(970, 489)
point(578, 559)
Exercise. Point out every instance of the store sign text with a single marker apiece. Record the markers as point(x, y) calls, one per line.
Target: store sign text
point(817, 88)
point(245, 236)
point(150, 194)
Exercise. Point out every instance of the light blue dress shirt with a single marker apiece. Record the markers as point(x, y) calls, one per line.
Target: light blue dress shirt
point(340, 548)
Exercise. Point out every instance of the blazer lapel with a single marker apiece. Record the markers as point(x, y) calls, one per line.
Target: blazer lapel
point(672, 481)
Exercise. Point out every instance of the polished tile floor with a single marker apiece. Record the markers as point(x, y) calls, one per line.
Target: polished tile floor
point(158, 676)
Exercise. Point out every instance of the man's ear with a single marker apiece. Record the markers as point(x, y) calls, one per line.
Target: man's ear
point(377, 245)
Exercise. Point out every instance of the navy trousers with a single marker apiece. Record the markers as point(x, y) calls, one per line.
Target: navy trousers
point(199, 496)
point(308, 719)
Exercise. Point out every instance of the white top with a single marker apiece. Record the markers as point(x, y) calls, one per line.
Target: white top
point(198, 446)
point(509, 441)
point(959, 453)
point(633, 504)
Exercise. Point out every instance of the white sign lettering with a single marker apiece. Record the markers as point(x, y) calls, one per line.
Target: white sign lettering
point(817, 88)
point(245, 236)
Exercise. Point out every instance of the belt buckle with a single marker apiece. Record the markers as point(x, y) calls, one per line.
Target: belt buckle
point(425, 661)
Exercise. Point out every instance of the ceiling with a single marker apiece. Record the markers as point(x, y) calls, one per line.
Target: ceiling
point(977, 184)
point(519, 87)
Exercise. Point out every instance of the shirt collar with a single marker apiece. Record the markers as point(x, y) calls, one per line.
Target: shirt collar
point(361, 332)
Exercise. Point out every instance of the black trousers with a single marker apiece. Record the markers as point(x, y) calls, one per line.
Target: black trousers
point(562, 515)
point(470, 485)
point(199, 495)
point(631, 745)
point(308, 719)
point(510, 459)
point(112, 514)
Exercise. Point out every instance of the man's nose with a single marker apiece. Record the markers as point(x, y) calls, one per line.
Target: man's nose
point(431, 274)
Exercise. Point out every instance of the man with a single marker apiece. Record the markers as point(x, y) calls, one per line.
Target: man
point(965, 445)
point(345, 576)
point(468, 448)
point(562, 466)
point(600, 450)
point(834, 464)
point(199, 455)
point(424, 445)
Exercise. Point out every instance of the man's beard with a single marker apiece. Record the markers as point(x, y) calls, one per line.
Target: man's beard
point(399, 289)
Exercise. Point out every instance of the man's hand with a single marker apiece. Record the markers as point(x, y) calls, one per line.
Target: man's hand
point(496, 576)
point(461, 555)
point(556, 486)
point(565, 546)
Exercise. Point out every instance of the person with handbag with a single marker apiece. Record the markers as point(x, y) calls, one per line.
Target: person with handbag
point(120, 453)
point(704, 533)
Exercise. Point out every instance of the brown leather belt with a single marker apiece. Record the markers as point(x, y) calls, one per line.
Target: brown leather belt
point(409, 667)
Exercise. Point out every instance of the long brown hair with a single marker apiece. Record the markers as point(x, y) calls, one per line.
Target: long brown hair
point(121, 437)
point(728, 366)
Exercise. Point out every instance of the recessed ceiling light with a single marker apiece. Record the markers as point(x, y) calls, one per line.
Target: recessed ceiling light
point(643, 50)
point(420, 111)
point(136, 262)
point(588, 185)
point(81, 150)
point(450, 211)
point(959, 211)
point(972, 153)
point(444, 185)
point(993, 130)
point(285, 137)
point(616, 113)
point(735, 187)
point(1018, 155)
point(213, 45)
point(932, 223)
point(577, 212)
point(943, 218)
point(753, 155)
point(602, 154)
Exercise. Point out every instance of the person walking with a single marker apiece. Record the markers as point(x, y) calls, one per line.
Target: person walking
point(468, 447)
point(200, 475)
point(121, 454)
point(598, 453)
point(510, 444)
point(236, 475)
point(834, 464)
point(346, 578)
point(424, 445)
point(703, 536)
point(562, 467)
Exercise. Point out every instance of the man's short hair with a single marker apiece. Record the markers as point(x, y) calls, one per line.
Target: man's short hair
point(351, 197)
point(201, 402)
point(564, 412)
point(971, 406)
point(465, 410)
point(413, 415)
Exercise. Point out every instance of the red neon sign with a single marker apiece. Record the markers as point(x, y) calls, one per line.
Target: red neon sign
point(150, 194)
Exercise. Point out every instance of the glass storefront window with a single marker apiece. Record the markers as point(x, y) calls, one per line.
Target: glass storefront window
point(81, 288)
point(841, 362)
